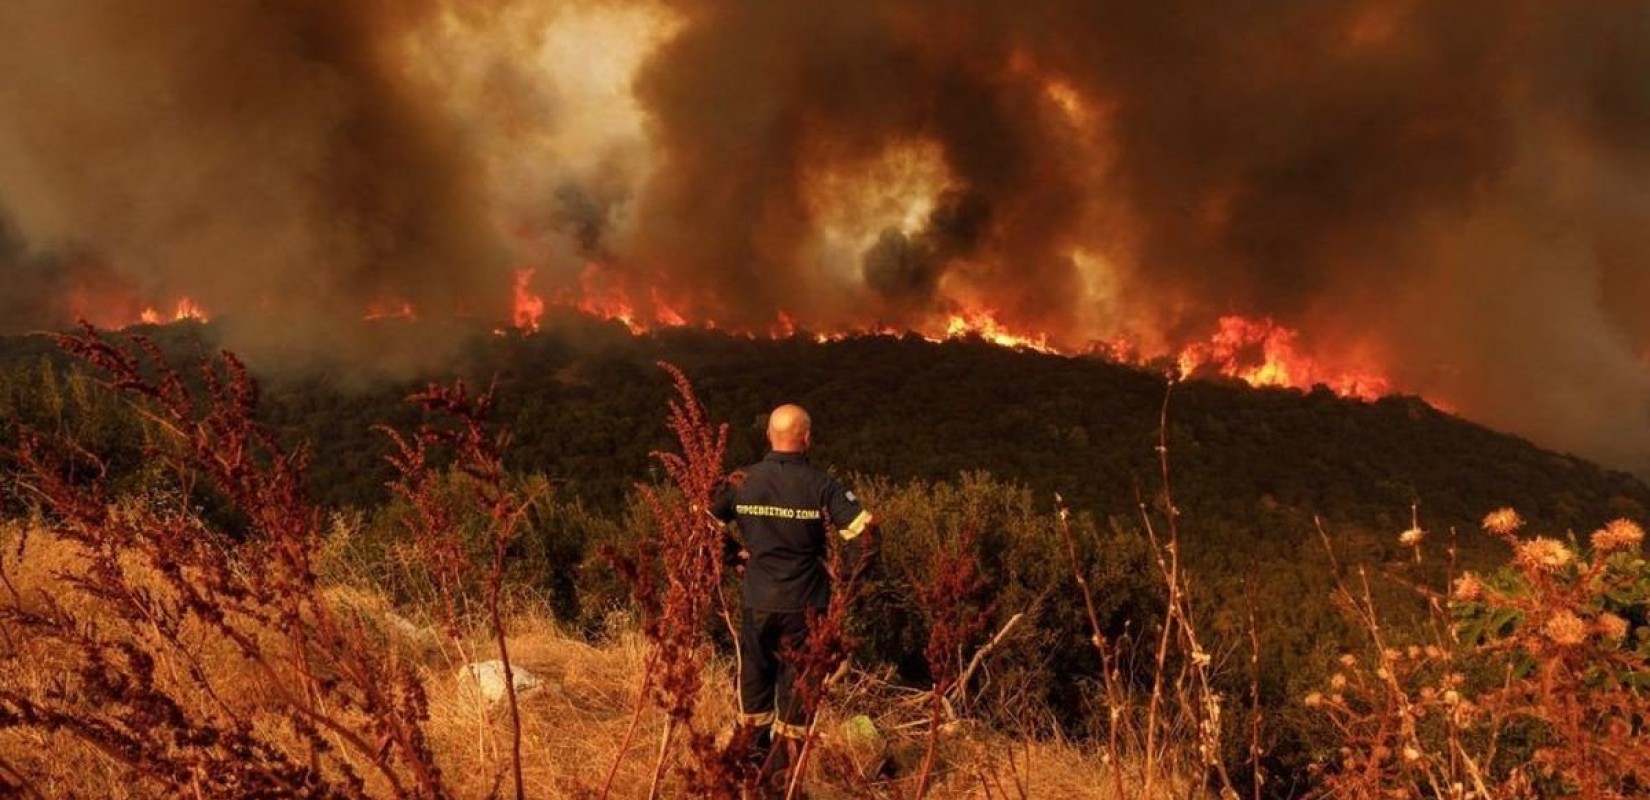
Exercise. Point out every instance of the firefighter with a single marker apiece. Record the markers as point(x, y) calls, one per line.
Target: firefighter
point(780, 507)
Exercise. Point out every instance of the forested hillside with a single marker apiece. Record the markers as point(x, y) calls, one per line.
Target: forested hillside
point(581, 402)
point(954, 441)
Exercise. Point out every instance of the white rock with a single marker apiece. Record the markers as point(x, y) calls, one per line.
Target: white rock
point(488, 678)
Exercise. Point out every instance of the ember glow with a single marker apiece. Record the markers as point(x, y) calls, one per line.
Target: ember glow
point(401, 310)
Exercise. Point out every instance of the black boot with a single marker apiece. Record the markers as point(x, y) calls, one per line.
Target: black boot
point(758, 746)
point(776, 777)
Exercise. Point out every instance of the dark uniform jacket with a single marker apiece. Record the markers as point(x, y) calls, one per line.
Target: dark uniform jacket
point(781, 507)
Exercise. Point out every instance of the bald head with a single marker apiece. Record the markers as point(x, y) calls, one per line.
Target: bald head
point(788, 429)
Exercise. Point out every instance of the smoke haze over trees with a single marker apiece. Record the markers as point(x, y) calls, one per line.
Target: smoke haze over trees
point(1451, 191)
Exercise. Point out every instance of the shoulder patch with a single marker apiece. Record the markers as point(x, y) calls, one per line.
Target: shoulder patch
point(852, 498)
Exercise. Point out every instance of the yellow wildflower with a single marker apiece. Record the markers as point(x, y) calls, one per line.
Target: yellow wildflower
point(1611, 626)
point(1621, 534)
point(1467, 588)
point(1503, 521)
point(1548, 555)
point(1565, 628)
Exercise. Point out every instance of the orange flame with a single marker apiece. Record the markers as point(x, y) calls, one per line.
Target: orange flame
point(663, 313)
point(610, 302)
point(783, 327)
point(983, 323)
point(1261, 352)
point(529, 307)
point(603, 296)
point(1258, 351)
point(186, 309)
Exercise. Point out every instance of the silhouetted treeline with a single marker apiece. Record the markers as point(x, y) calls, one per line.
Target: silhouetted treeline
point(582, 404)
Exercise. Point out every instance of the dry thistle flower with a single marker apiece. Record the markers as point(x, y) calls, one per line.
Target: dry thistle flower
point(1348, 660)
point(1547, 555)
point(1565, 628)
point(1411, 537)
point(1338, 681)
point(1467, 588)
point(1611, 627)
point(1504, 521)
point(1411, 754)
point(1621, 534)
point(1314, 700)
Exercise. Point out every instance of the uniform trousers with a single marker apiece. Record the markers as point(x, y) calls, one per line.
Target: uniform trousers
point(768, 688)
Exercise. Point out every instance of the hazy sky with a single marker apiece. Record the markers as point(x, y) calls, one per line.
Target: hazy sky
point(1453, 193)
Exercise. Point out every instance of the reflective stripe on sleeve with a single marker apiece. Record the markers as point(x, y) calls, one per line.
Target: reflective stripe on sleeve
point(858, 526)
point(761, 720)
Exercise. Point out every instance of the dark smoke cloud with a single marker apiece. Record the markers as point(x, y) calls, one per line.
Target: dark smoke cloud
point(905, 269)
point(1455, 189)
point(752, 100)
point(271, 160)
point(1254, 149)
point(1454, 192)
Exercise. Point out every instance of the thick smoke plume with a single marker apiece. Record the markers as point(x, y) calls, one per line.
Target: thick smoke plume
point(1452, 193)
point(274, 161)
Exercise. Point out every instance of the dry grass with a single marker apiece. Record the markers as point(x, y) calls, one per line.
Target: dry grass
point(149, 647)
point(148, 651)
point(572, 723)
